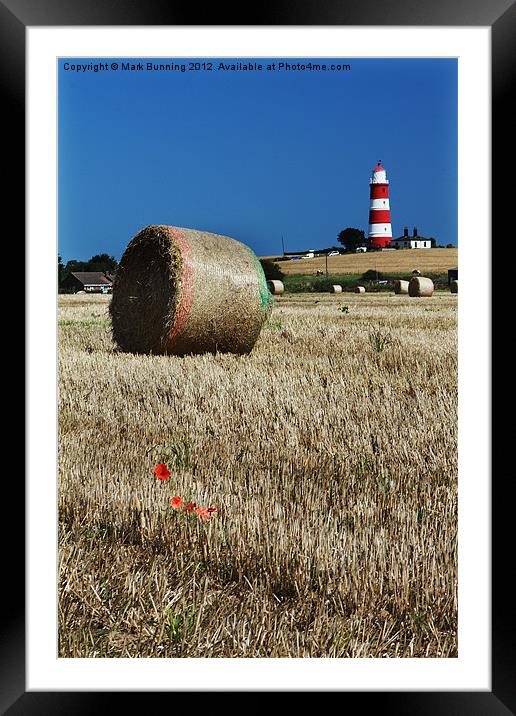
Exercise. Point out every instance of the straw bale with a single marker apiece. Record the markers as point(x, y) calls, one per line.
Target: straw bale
point(336, 288)
point(454, 286)
point(420, 286)
point(401, 286)
point(360, 289)
point(276, 287)
point(181, 291)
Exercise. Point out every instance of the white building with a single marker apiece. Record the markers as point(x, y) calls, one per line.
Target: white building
point(411, 242)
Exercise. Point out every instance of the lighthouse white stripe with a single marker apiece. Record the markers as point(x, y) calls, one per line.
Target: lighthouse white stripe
point(379, 178)
point(379, 204)
point(380, 230)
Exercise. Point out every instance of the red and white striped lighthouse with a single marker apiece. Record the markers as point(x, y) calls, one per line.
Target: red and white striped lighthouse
point(380, 232)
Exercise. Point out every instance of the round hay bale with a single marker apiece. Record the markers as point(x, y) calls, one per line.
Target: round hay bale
point(80, 292)
point(401, 287)
point(420, 286)
point(359, 289)
point(336, 288)
point(416, 272)
point(454, 286)
point(181, 291)
point(276, 287)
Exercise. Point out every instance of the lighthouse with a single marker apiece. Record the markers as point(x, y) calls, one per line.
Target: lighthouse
point(380, 232)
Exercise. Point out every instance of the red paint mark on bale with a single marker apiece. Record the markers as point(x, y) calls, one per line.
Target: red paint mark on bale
point(184, 306)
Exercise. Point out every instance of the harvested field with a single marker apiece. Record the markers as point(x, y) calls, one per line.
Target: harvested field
point(426, 260)
point(330, 452)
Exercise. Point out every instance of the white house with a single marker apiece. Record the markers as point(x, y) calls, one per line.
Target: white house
point(411, 242)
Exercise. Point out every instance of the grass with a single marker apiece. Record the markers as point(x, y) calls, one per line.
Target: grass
point(333, 465)
point(299, 283)
point(380, 339)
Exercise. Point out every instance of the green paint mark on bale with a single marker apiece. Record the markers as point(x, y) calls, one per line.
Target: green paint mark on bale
point(266, 297)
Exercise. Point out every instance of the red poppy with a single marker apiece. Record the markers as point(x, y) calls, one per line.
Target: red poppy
point(212, 509)
point(190, 507)
point(202, 512)
point(161, 472)
point(176, 502)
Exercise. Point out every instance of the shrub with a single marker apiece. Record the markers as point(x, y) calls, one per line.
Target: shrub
point(271, 270)
point(372, 275)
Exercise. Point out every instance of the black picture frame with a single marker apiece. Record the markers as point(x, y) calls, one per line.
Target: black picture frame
point(500, 16)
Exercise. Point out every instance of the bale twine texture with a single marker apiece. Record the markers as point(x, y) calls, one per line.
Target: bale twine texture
point(181, 291)
point(359, 289)
point(337, 288)
point(401, 287)
point(454, 286)
point(276, 287)
point(420, 286)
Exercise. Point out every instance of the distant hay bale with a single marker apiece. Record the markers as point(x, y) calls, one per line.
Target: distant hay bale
point(80, 292)
point(454, 286)
point(401, 287)
point(416, 272)
point(276, 287)
point(181, 291)
point(359, 289)
point(420, 286)
point(336, 288)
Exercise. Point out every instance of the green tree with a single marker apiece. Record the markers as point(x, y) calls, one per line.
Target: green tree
point(351, 238)
point(271, 270)
point(102, 262)
point(74, 265)
point(61, 271)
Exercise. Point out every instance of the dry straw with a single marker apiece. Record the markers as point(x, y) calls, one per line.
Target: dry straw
point(454, 286)
point(359, 289)
point(420, 286)
point(183, 291)
point(276, 287)
point(401, 287)
point(336, 288)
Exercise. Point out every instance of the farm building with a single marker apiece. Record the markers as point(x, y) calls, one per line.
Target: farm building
point(412, 242)
point(89, 281)
point(453, 275)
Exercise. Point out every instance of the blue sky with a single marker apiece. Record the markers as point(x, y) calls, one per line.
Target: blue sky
point(254, 155)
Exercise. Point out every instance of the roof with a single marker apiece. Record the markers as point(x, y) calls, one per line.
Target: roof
point(379, 168)
point(92, 278)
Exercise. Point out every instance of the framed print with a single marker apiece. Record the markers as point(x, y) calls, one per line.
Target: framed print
point(247, 465)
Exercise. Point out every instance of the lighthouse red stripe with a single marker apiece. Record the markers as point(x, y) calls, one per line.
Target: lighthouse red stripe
point(379, 216)
point(379, 191)
point(380, 242)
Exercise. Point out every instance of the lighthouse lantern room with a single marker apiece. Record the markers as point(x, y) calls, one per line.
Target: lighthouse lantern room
point(380, 232)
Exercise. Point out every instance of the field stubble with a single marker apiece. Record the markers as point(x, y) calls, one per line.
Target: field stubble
point(404, 260)
point(331, 455)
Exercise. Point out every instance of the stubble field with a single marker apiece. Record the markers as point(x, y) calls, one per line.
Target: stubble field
point(401, 261)
point(330, 453)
